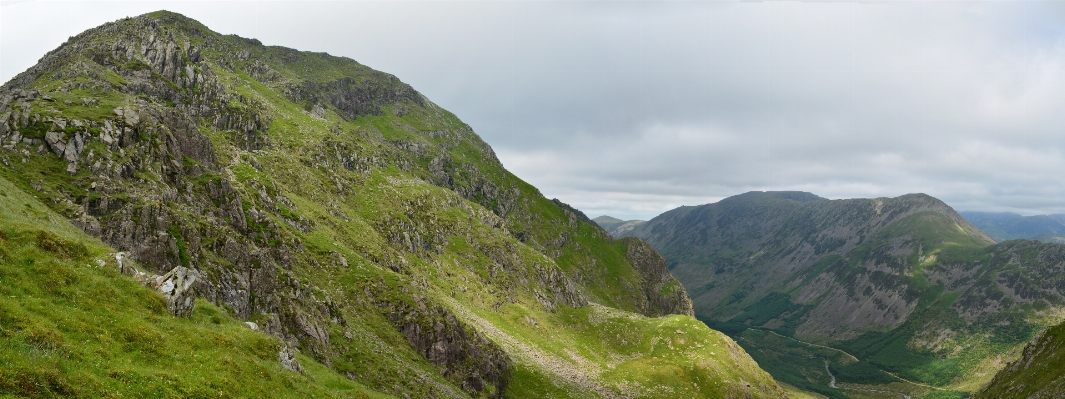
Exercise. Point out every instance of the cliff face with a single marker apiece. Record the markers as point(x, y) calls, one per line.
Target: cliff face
point(665, 295)
point(332, 205)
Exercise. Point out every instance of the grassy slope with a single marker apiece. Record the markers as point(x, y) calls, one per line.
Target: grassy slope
point(350, 211)
point(71, 327)
point(592, 364)
point(1037, 374)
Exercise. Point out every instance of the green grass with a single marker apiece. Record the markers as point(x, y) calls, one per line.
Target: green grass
point(1042, 376)
point(803, 366)
point(70, 327)
point(620, 349)
point(470, 259)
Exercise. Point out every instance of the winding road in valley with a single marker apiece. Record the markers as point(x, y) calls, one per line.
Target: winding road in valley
point(832, 383)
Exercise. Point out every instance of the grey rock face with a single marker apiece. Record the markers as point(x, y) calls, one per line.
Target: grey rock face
point(289, 361)
point(176, 287)
point(55, 142)
point(665, 295)
point(462, 353)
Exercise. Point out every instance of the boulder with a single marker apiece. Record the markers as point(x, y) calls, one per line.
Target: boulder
point(55, 142)
point(176, 287)
point(289, 361)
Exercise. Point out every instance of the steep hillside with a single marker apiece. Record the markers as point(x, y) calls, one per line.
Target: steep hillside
point(1037, 374)
point(344, 213)
point(905, 285)
point(1011, 226)
point(617, 227)
point(72, 326)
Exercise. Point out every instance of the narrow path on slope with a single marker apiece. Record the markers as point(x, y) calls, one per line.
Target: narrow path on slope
point(854, 358)
point(586, 378)
point(832, 382)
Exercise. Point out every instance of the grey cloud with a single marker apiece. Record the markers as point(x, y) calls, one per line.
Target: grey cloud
point(632, 108)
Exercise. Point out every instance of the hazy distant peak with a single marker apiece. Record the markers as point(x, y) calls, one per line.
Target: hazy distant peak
point(617, 227)
point(1003, 226)
point(607, 219)
point(800, 196)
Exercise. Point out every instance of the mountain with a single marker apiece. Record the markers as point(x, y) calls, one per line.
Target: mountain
point(357, 226)
point(903, 288)
point(1037, 374)
point(1011, 226)
point(616, 227)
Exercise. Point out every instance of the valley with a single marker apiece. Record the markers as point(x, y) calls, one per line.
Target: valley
point(1011, 226)
point(893, 294)
point(185, 213)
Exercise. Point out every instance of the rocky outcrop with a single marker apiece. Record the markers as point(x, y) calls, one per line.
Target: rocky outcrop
point(186, 155)
point(464, 355)
point(665, 295)
point(355, 98)
point(289, 361)
point(572, 212)
point(176, 286)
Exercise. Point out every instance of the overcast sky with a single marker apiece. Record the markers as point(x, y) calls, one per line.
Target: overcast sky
point(634, 108)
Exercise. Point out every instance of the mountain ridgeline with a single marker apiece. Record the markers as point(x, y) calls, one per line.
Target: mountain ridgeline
point(906, 285)
point(1004, 226)
point(352, 222)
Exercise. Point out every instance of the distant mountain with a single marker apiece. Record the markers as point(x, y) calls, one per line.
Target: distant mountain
point(617, 227)
point(1003, 226)
point(906, 284)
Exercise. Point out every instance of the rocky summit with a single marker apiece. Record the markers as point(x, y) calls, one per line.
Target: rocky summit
point(900, 294)
point(252, 220)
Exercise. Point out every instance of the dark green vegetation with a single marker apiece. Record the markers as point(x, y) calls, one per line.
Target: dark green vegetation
point(1038, 374)
point(72, 326)
point(1006, 226)
point(906, 285)
point(348, 217)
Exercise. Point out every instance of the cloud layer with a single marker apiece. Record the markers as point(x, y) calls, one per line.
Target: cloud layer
point(633, 108)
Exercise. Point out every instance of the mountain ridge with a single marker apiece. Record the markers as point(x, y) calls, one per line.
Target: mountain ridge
point(1003, 226)
point(800, 241)
point(351, 218)
point(905, 284)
